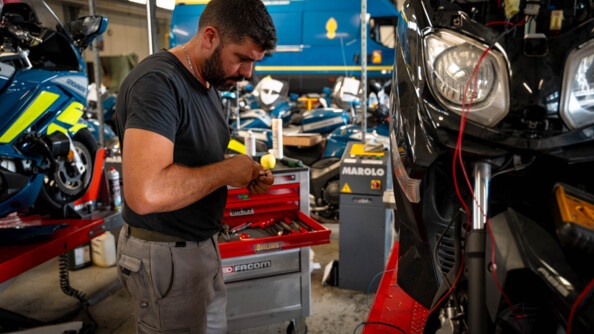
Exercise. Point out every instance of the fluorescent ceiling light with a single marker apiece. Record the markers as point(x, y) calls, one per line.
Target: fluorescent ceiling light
point(166, 4)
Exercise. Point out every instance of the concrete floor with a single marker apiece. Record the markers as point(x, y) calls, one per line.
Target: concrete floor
point(37, 294)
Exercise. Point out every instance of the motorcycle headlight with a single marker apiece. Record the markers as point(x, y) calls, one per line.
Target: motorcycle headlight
point(451, 59)
point(577, 95)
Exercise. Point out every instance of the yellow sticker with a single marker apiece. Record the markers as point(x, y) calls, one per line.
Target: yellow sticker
point(331, 27)
point(346, 188)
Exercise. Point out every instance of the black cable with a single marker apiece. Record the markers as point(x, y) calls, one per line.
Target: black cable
point(65, 281)
point(377, 323)
point(435, 250)
point(70, 291)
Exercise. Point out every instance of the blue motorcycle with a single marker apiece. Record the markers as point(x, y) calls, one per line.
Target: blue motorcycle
point(339, 127)
point(47, 153)
point(258, 106)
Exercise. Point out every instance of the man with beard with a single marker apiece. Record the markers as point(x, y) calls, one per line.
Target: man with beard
point(174, 136)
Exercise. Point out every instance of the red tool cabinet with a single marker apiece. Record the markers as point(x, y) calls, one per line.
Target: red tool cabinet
point(268, 275)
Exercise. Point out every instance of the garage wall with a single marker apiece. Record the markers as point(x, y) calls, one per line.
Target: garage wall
point(127, 30)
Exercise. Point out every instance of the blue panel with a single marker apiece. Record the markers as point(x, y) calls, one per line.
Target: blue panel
point(318, 37)
point(327, 28)
point(288, 27)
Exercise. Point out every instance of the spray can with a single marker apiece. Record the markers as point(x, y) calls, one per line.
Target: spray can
point(113, 177)
point(250, 144)
point(277, 138)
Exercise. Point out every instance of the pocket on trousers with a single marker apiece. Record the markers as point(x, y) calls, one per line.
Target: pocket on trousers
point(146, 329)
point(133, 276)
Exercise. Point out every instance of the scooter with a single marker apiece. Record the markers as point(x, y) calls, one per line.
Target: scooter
point(46, 152)
point(492, 147)
point(256, 108)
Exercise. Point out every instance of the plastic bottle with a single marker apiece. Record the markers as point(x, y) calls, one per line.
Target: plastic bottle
point(103, 250)
point(113, 177)
point(250, 144)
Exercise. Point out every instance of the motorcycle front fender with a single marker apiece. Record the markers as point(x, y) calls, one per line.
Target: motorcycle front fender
point(529, 259)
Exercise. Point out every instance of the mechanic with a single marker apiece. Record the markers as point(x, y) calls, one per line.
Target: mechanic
point(173, 133)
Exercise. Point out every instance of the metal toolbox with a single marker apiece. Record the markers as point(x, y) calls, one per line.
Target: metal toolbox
point(268, 274)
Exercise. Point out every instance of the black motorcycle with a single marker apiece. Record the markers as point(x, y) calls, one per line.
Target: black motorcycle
point(492, 144)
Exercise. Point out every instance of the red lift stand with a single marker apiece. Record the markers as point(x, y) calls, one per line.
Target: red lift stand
point(392, 307)
point(89, 221)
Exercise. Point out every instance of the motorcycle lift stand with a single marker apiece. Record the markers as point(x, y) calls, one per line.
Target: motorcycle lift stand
point(34, 239)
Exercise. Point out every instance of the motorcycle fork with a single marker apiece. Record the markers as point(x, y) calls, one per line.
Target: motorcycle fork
point(75, 160)
point(475, 250)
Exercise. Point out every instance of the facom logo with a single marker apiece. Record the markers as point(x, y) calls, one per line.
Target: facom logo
point(246, 267)
point(363, 171)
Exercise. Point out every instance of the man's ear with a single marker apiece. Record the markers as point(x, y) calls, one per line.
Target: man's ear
point(210, 38)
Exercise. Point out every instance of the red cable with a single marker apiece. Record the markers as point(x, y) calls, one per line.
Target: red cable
point(458, 154)
point(577, 303)
point(488, 24)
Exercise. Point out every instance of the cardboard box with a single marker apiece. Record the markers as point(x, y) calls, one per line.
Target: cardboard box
point(302, 139)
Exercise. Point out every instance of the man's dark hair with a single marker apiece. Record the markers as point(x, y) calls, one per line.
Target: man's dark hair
point(237, 19)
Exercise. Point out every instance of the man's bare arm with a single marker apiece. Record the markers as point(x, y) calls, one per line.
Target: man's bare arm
point(153, 183)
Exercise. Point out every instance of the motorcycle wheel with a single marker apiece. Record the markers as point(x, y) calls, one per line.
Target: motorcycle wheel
point(64, 186)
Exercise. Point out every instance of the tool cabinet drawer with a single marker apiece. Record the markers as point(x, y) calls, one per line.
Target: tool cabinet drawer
point(261, 265)
point(265, 300)
point(303, 232)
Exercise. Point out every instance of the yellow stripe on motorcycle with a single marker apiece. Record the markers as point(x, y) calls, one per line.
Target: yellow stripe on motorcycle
point(77, 127)
point(236, 146)
point(55, 127)
point(43, 101)
point(72, 114)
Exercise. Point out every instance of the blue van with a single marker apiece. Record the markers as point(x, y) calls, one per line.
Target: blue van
point(318, 40)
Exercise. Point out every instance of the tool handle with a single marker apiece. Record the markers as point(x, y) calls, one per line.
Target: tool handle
point(287, 227)
point(240, 227)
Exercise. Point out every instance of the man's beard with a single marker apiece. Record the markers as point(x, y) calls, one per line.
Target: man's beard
point(213, 73)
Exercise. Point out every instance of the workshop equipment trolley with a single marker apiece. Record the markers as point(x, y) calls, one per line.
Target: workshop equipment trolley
point(266, 252)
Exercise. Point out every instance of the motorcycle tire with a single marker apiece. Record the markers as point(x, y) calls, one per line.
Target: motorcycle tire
point(61, 188)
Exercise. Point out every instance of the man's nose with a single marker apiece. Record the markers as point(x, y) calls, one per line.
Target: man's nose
point(245, 70)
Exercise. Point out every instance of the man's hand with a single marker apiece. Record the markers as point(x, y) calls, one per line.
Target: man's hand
point(262, 183)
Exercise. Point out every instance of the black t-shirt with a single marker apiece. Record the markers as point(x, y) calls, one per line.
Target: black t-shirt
point(162, 96)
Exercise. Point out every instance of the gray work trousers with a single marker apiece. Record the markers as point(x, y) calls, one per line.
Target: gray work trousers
point(175, 287)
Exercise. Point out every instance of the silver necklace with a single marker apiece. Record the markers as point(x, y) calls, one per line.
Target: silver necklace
point(188, 59)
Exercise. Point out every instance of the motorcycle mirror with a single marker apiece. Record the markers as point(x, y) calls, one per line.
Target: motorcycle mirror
point(85, 29)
